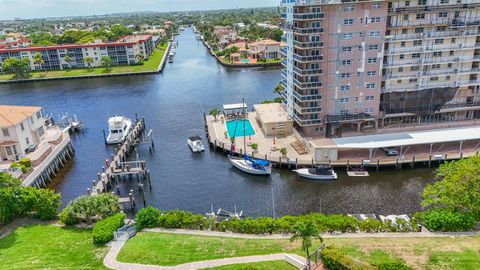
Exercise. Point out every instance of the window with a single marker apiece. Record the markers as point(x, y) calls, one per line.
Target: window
point(27, 141)
point(439, 41)
point(407, 3)
point(422, 2)
point(348, 8)
point(441, 28)
point(377, 5)
point(414, 68)
point(9, 150)
point(374, 34)
point(40, 131)
point(400, 69)
point(369, 98)
point(449, 65)
point(420, 16)
point(443, 14)
point(417, 43)
point(39, 115)
point(412, 80)
point(444, 1)
point(375, 19)
point(5, 131)
point(346, 62)
point(371, 73)
point(344, 100)
point(401, 56)
point(447, 77)
point(347, 35)
point(402, 44)
point(345, 88)
point(453, 40)
point(347, 49)
point(348, 21)
point(419, 30)
point(434, 78)
point(405, 17)
point(22, 127)
point(345, 75)
point(368, 110)
point(370, 85)
point(399, 81)
point(372, 60)
point(436, 66)
point(451, 53)
point(373, 47)
point(437, 54)
point(415, 55)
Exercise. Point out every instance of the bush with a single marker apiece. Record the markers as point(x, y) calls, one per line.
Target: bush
point(90, 208)
point(15, 165)
point(147, 218)
point(182, 220)
point(68, 217)
point(335, 259)
point(104, 229)
point(25, 162)
point(397, 265)
point(446, 220)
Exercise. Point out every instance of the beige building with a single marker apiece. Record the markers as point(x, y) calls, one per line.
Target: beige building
point(273, 119)
point(264, 49)
point(22, 128)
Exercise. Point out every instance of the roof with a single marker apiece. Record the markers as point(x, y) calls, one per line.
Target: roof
point(409, 138)
point(124, 41)
point(14, 115)
point(266, 42)
point(235, 106)
point(272, 113)
point(195, 138)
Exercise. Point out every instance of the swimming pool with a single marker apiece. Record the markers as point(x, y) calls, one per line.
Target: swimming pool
point(245, 60)
point(236, 128)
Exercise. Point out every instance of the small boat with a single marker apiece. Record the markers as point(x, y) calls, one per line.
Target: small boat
point(252, 166)
point(319, 172)
point(195, 143)
point(118, 128)
point(357, 171)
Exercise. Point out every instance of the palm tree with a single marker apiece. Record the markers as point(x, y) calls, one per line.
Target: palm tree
point(139, 58)
point(38, 59)
point(279, 89)
point(214, 112)
point(106, 61)
point(68, 59)
point(88, 61)
point(305, 231)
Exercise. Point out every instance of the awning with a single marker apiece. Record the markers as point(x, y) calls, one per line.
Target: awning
point(408, 138)
point(235, 106)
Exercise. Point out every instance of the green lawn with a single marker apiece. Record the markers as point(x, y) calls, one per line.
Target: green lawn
point(465, 260)
point(174, 249)
point(50, 247)
point(272, 265)
point(150, 64)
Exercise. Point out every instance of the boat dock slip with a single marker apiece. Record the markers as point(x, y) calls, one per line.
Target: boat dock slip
point(120, 174)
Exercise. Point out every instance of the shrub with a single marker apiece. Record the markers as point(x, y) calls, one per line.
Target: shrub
point(147, 218)
point(397, 265)
point(181, 219)
point(335, 259)
point(15, 165)
point(447, 220)
point(68, 217)
point(91, 208)
point(25, 162)
point(283, 151)
point(371, 225)
point(104, 229)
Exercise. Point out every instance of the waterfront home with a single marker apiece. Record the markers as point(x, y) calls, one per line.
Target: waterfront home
point(13, 42)
point(125, 51)
point(264, 49)
point(25, 134)
point(226, 35)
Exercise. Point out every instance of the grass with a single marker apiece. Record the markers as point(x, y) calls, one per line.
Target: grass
point(50, 247)
point(148, 65)
point(465, 260)
point(174, 249)
point(271, 265)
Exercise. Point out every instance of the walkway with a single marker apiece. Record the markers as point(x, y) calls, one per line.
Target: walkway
point(111, 262)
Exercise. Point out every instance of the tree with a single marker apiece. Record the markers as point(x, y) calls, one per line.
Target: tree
point(106, 61)
point(306, 231)
point(20, 67)
point(214, 112)
point(280, 88)
point(120, 30)
point(90, 208)
point(38, 59)
point(139, 58)
point(88, 61)
point(458, 189)
point(68, 59)
point(6, 180)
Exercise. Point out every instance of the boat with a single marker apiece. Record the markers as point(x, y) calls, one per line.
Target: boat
point(118, 128)
point(246, 163)
point(318, 172)
point(357, 171)
point(195, 143)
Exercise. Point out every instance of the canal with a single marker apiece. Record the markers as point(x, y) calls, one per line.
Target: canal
point(173, 104)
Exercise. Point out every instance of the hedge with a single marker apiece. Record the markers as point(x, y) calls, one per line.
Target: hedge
point(150, 217)
point(447, 220)
point(335, 259)
point(104, 229)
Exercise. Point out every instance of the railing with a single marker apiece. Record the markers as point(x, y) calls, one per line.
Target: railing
point(348, 117)
point(308, 58)
point(301, 97)
point(432, 35)
point(305, 85)
point(309, 16)
point(315, 257)
point(124, 233)
point(304, 72)
point(308, 45)
point(311, 30)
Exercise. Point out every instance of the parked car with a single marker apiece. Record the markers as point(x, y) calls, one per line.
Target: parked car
point(390, 151)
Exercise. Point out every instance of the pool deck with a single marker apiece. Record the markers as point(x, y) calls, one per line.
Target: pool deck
point(216, 133)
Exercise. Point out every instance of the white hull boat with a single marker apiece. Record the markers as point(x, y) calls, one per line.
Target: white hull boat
point(118, 129)
point(317, 174)
point(195, 144)
point(247, 166)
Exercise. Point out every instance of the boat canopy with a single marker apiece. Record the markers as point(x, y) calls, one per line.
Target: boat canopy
point(259, 162)
point(195, 138)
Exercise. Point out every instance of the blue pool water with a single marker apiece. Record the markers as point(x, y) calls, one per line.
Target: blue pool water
point(245, 60)
point(240, 126)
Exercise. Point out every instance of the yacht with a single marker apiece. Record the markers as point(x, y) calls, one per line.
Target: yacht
point(249, 165)
point(319, 172)
point(195, 143)
point(118, 128)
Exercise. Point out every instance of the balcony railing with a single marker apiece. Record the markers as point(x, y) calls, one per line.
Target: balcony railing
point(307, 85)
point(349, 117)
point(311, 58)
point(309, 16)
point(307, 45)
point(301, 97)
point(305, 72)
point(306, 122)
point(306, 31)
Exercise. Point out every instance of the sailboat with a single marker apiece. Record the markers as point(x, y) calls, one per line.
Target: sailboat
point(246, 163)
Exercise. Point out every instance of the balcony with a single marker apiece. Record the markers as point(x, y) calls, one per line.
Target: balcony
point(308, 45)
point(306, 110)
point(306, 31)
point(308, 16)
point(349, 117)
point(311, 58)
point(302, 98)
point(306, 85)
point(284, 62)
point(397, 63)
point(305, 72)
point(306, 122)
point(410, 49)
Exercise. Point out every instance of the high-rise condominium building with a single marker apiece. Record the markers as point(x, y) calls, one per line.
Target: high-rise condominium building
point(355, 66)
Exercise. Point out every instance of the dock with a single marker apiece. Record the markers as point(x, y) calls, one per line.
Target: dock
point(119, 173)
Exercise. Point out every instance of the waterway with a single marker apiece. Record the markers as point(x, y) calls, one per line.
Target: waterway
point(173, 104)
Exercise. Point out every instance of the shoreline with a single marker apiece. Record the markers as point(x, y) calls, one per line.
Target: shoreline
point(159, 69)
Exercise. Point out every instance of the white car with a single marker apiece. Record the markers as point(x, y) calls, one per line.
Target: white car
point(390, 151)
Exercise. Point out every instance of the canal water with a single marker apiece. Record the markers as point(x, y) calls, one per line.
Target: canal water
point(173, 104)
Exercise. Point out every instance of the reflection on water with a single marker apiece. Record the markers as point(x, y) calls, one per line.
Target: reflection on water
point(173, 104)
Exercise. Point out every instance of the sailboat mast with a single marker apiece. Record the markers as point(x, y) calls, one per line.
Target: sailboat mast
point(244, 139)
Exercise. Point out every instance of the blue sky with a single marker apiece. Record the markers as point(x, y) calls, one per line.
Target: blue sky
point(10, 9)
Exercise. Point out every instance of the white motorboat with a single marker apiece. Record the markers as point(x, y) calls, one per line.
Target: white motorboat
point(195, 143)
point(118, 129)
point(319, 172)
point(251, 166)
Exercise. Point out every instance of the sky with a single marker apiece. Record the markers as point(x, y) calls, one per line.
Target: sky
point(26, 9)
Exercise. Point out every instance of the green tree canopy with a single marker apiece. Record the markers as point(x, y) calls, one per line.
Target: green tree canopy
point(17, 66)
point(120, 30)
